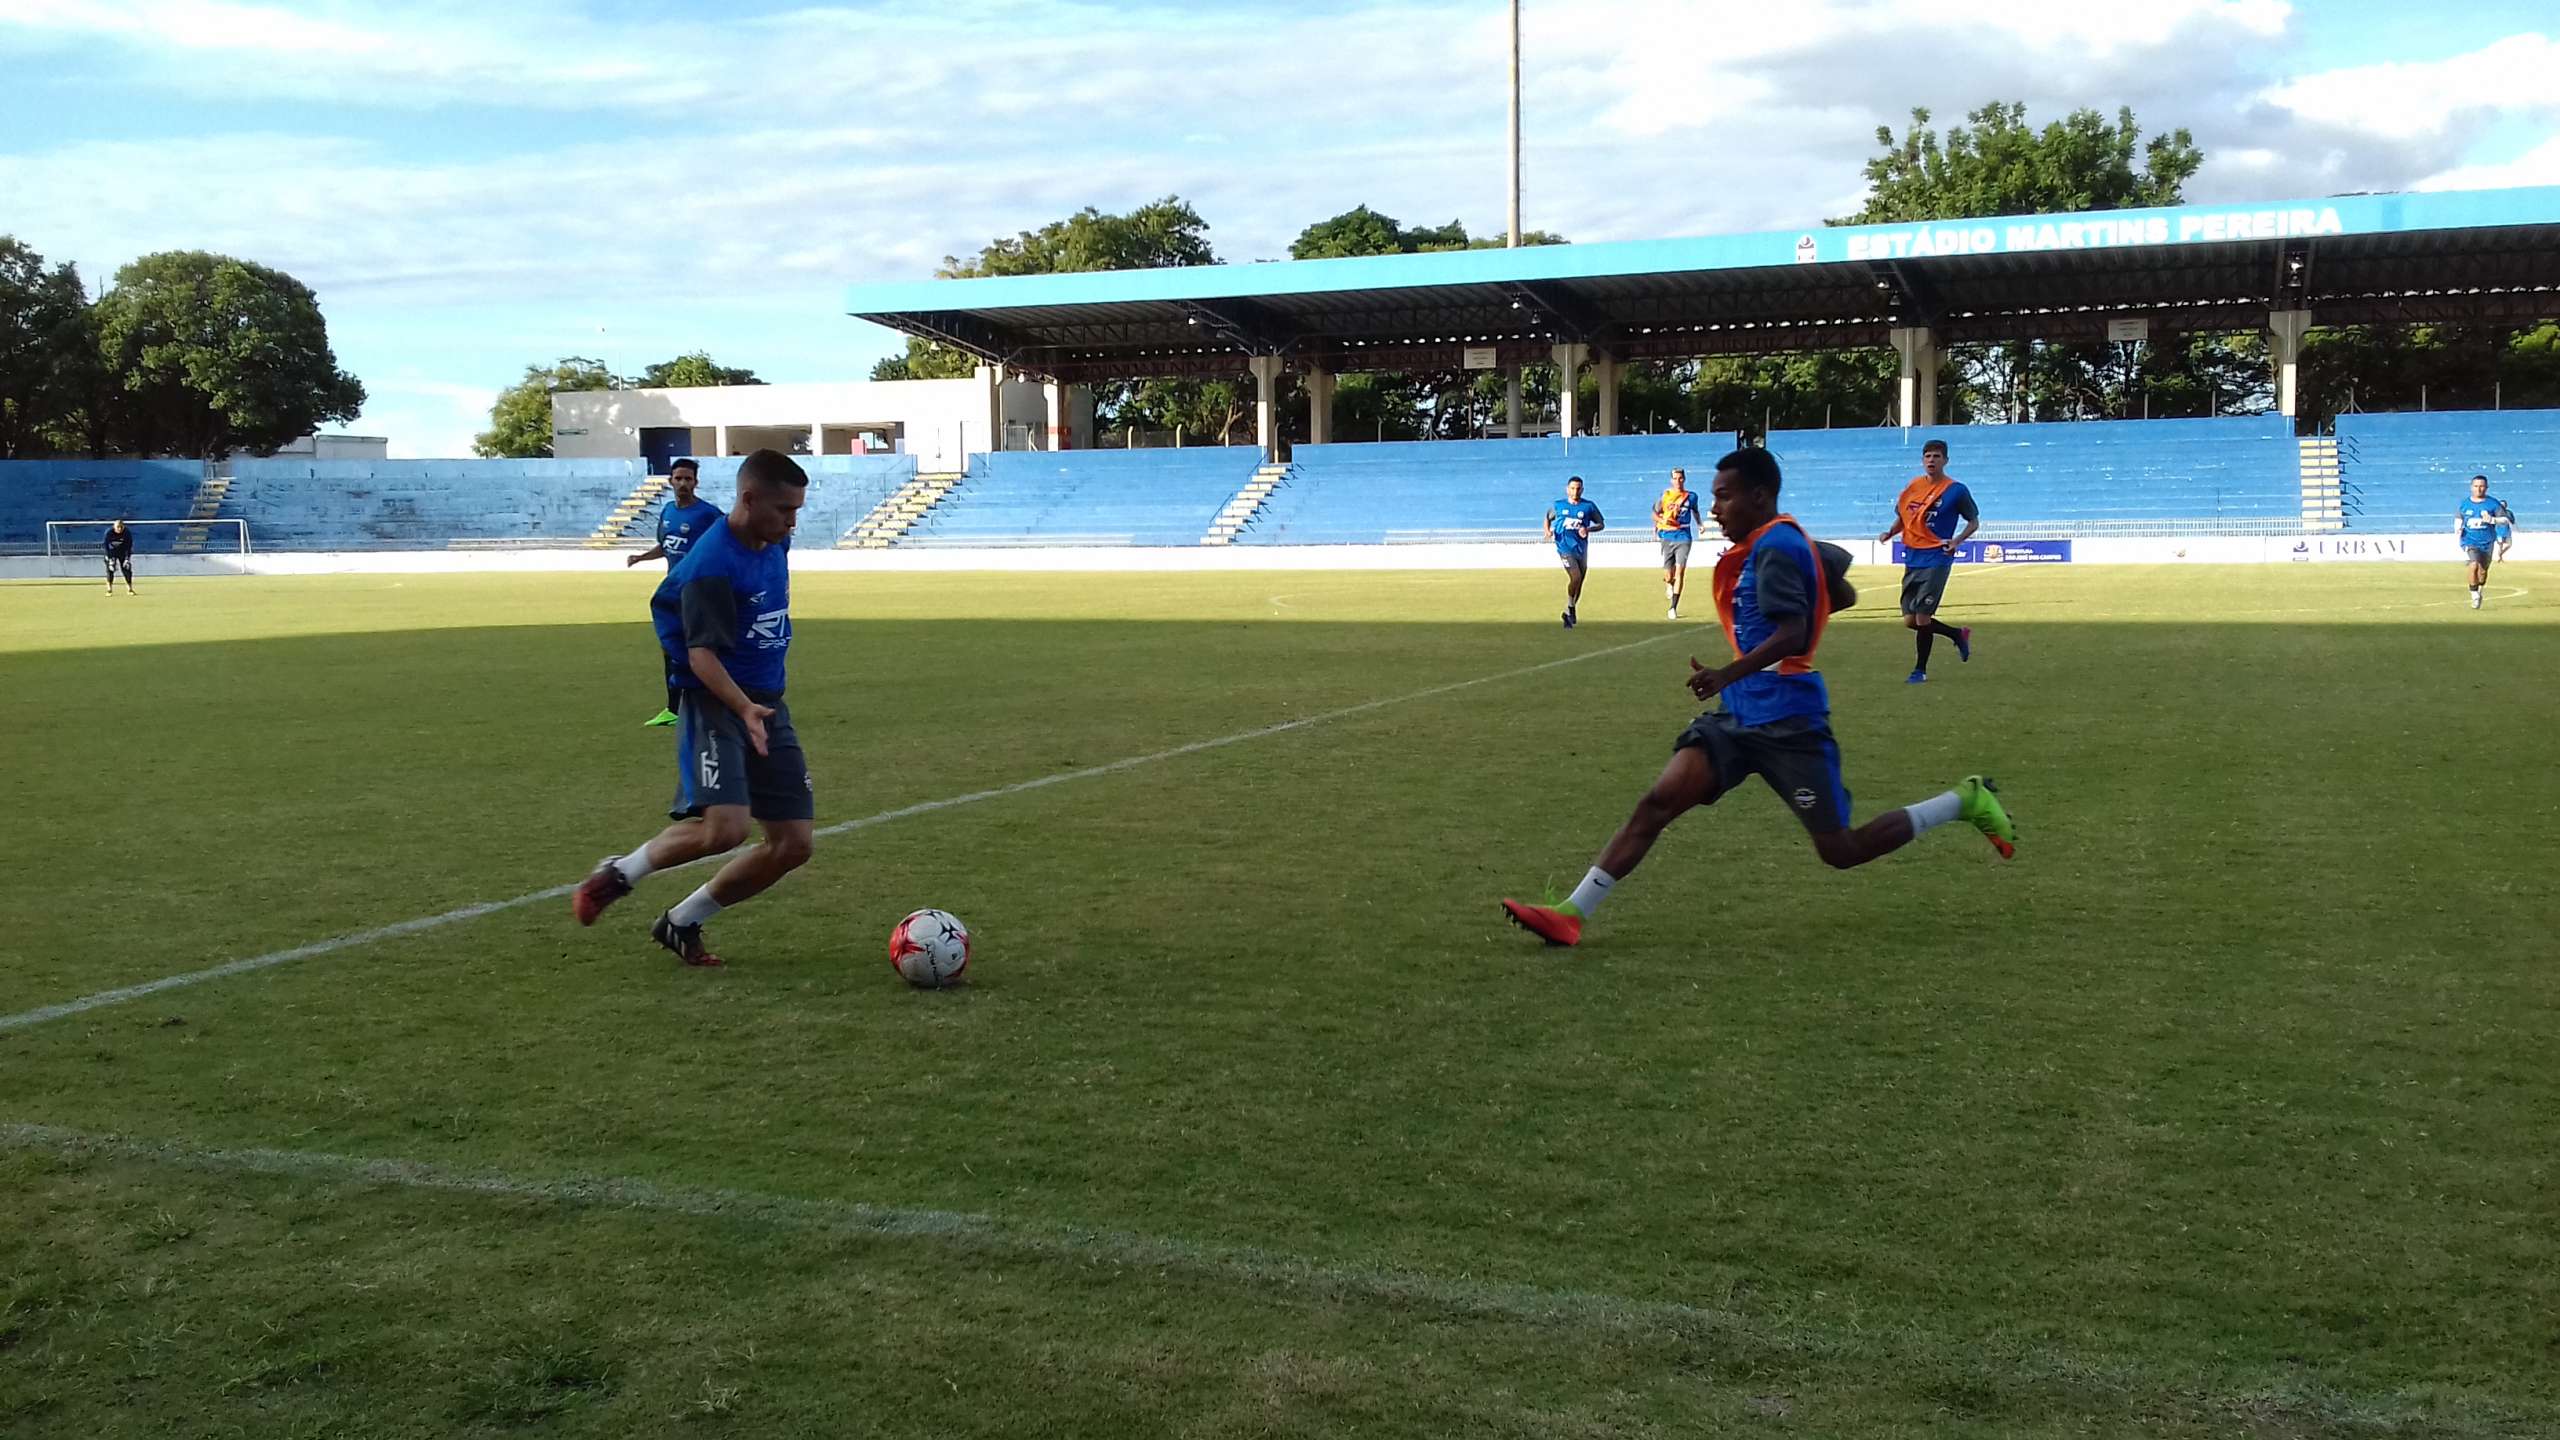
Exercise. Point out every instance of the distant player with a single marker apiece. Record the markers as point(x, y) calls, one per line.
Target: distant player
point(1925, 518)
point(1774, 590)
point(1675, 524)
point(119, 552)
point(684, 519)
point(2481, 521)
point(724, 618)
point(1571, 522)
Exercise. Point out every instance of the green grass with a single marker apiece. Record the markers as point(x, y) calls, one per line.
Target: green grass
point(2225, 1110)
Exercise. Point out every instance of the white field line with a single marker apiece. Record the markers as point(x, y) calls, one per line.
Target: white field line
point(121, 994)
point(1527, 1304)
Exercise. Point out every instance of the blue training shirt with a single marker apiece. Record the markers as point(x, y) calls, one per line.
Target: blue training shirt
point(2484, 522)
point(680, 525)
point(1778, 579)
point(731, 600)
point(1569, 516)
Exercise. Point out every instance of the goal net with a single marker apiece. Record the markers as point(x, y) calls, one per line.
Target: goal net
point(78, 547)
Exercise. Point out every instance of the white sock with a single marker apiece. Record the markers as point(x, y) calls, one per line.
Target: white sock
point(695, 908)
point(1933, 812)
point(635, 867)
point(1593, 889)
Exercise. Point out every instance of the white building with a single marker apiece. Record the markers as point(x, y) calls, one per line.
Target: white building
point(941, 422)
point(336, 447)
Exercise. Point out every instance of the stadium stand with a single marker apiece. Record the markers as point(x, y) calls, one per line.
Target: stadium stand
point(1400, 492)
point(2405, 473)
point(1088, 497)
point(35, 491)
point(2237, 476)
point(431, 504)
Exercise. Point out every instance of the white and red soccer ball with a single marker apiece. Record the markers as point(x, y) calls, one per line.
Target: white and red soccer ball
point(930, 949)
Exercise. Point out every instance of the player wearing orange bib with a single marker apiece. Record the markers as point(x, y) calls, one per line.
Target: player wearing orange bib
point(1775, 591)
point(1925, 519)
point(1675, 524)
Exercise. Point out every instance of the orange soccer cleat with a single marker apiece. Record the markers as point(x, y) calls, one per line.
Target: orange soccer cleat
point(1556, 927)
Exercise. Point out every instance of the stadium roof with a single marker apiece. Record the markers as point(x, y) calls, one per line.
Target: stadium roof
point(2482, 255)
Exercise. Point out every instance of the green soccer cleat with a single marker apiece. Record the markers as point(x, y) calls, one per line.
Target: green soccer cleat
point(1978, 802)
point(663, 717)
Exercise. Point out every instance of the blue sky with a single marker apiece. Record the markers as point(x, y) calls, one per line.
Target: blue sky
point(473, 186)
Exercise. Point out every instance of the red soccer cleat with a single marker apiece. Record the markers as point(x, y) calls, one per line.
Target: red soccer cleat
point(684, 941)
point(597, 891)
point(1553, 926)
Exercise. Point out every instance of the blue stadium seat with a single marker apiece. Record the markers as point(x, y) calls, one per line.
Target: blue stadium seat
point(2406, 473)
point(2238, 475)
point(1088, 497)
point(1399, 492)
point(35, 491)
point(427, 504)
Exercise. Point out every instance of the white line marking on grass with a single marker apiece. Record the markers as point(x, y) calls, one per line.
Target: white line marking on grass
point(118, 996)
point(1528, 1304)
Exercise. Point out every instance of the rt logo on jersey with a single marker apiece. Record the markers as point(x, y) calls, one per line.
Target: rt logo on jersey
point(771, 628)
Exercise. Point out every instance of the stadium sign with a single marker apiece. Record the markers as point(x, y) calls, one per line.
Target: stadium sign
point(2102, 232)
point(2001, 552)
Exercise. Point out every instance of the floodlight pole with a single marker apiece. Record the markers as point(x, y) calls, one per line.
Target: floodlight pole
point(1511, 381)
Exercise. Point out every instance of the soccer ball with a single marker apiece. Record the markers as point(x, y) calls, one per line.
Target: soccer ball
point(930, 949)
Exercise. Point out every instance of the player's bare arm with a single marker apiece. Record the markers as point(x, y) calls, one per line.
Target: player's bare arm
point(1788, 639)
point(715, 678)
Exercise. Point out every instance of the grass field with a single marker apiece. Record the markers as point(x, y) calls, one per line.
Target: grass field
point(2226, 1110)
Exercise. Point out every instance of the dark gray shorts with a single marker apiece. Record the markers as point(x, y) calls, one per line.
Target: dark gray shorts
point(1676, 552)
point(716, 766)
point(1923, 586)
point(1798, 758)
point(2481, 555)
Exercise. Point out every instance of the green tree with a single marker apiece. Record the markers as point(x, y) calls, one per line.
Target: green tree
point(691, 370)
point(926, 360)
point(1999, 164)
point(520, 420)
point(49, 362)
point(210, 354)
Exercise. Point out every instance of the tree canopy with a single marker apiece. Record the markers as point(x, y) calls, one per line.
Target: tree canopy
point(520, 421)
point(209, 354)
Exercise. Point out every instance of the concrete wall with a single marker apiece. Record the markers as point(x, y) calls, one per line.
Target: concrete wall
point(941, 422)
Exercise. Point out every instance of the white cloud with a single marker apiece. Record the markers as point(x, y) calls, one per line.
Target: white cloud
point(2538, 166)
point(2411, 99)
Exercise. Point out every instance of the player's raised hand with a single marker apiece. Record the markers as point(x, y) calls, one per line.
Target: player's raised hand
point(1703, 682)
point(755, 718)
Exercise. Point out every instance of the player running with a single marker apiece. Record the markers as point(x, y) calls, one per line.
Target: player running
point(1774, 590)
point(1675, 524)
point(679, 525)
point(119, 552)
point(2480, 521)
point(723, 616)
point(1571, 522)
point(1929, 507)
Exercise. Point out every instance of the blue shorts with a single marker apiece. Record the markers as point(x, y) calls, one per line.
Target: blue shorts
point(1797, 757)
point(716, 766)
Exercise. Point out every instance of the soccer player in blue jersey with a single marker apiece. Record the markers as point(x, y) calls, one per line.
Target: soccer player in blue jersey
point(1925, 517)
point(1775, 591)
point(1571, 522)
point(723, 616)
point(684, 519)
point(1675, 524)
point(2482, 521)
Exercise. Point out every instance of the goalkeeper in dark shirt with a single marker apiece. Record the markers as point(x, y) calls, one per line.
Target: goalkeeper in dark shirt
point(119, 550)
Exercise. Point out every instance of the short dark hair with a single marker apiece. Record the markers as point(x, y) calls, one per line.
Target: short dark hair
point(770, 467)
point(1758, 469)
point(1938, 445)
point(1573, 479)
point(2483, 479)
point(687, 463)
